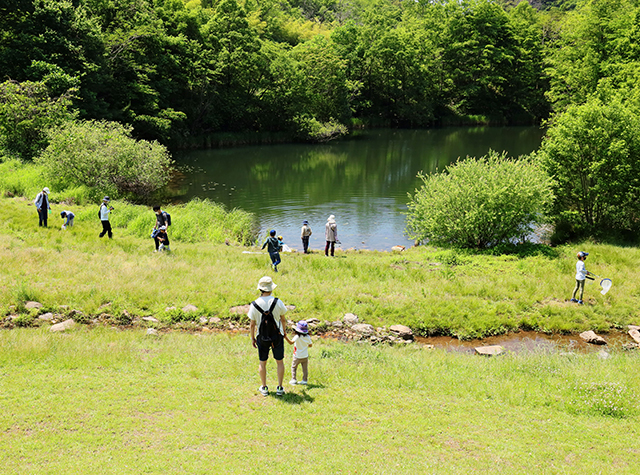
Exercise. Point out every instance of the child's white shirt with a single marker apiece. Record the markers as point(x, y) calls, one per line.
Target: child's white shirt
point(581, 270)
point(301, 346)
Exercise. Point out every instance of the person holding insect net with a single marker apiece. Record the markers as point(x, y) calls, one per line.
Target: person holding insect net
point(266, 315)
point(581, 275)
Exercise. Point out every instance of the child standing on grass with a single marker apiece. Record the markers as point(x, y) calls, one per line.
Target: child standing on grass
point(163, 239)
point(301, 345)
point(581, 275)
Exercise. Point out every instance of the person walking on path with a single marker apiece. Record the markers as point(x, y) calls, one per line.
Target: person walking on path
point(43, 206)
point(273, 247)
point(305, 233)
point(105, 209)
point(161, 220)
point(301, 345)
point(331, 235)
point(163, 238)
point(267, 329)
point(68, 216)
point(581, 275)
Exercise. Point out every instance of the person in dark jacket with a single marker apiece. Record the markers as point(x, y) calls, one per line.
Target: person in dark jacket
point(161, 220)
point(273, 247)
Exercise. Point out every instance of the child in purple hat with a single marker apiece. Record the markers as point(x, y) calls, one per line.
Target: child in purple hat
point(301, 345)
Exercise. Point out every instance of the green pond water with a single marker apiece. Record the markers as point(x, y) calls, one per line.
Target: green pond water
point(363, 180)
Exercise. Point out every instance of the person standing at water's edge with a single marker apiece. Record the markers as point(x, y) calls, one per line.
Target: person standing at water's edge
point(105, 209)
point(581, 275)
point(305, 234)
point(331, 235)
point(273, 247)
point(43, 206)
point(267, 329)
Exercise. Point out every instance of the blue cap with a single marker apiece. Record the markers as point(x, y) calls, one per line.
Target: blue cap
point(305, 222)
point(583, 254)
point(272, 232)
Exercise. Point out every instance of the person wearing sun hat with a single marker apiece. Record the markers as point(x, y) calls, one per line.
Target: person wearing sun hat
point(331, 235)
point(581, 275)
point(105, 209)
point(305, 233)
point(301, 345)
point(257, 310)
point(43, 206)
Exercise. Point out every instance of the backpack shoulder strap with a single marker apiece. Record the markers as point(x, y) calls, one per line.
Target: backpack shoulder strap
point(257, 307)
point(273, 305)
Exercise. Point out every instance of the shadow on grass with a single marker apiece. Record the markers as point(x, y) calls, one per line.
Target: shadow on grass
point(295, 398)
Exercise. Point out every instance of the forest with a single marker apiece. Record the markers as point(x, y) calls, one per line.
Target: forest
point(178, 71)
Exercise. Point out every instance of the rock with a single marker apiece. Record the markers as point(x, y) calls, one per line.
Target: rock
point(493, 350)
point(62, 326)
point(30, 305)
point(75, 313)
point(204, 320)
point(337, 324)
point(363, 329)
point(312, 321)
point(214, 320)
point(150, 319)
point(402, 331)
point(350, 319)
point(635, 334)
point(591, 337)
point(152, 331)
point(189, 308)
point(168, 309)
point(603, 355)
point(398, 248)
point(290, 307)
point(630, 346)
point(633, 327)
point(46, 316)
point(240, 309)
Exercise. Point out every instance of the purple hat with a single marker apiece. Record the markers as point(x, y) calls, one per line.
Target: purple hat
point(302, 327)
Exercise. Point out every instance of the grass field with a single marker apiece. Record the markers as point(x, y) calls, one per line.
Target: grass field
point(111, 401)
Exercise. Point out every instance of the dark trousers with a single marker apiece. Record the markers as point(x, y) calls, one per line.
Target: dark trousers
point(275, 259)
point(42, 217)
point(106, 229)
point(157, 241)
point(305, 244)
point(330, 244)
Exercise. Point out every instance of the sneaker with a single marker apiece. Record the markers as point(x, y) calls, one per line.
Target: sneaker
point(279, 391)
point(580, 302)
point(573, 300)
point(293, 382)
point(303, 382)
point(264, 390)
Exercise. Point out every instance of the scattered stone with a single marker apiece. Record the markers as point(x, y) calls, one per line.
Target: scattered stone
point(104, 305)
point(313, 321)
point(46, 316)
point(75, 313)
point(214, 320)
point(290, 307)
point(635, 334)
point(204, 320)
point(150, 319)
point(633, 327)
point(337, 324)
point(429, 347)
point(603, 355)
point(493, 350)
point(62, 326)
point(363, 329)
point(350, 319)
point(398, 248)
point(168, 309)
point(240, 309)
point(189, 308)
point(591, 337)
point(30, 305)
point(402, 331)
point(630, 346)
point(152, 331)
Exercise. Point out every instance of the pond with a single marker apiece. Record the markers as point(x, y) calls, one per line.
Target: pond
point(363, 180)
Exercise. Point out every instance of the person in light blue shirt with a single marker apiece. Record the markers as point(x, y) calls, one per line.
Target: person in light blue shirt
point(68, 215)
point(105, 209)
point(43, 206)
point(581, 275)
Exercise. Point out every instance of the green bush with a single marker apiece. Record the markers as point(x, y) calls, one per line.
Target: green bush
point(480, 202)
point(104, 157)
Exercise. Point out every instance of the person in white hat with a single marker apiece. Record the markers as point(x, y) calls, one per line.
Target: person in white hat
point(105, 209)
point(267, 329)
point(331, 235)
point(581, 275)
point(43, 206)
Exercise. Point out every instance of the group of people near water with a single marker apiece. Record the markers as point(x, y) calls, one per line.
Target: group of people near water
point(275, 244)
point(159, 232)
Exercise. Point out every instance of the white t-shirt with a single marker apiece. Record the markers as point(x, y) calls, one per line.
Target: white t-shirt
point(265, 304)
point(581, 270)
point(301, 346)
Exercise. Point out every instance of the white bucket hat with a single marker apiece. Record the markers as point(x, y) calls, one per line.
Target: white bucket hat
point(46, 190)
point(266, 284)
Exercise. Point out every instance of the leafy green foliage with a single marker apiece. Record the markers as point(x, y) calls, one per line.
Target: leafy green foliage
point(479, 202)
point(27, 112)
point(104, 157)
point(593, 153)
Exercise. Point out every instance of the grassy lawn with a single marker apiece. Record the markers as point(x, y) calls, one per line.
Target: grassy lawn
point(111, 401)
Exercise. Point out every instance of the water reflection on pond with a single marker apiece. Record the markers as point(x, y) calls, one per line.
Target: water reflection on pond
point(363, 180)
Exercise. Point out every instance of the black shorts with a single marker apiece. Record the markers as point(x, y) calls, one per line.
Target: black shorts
point(263, 349)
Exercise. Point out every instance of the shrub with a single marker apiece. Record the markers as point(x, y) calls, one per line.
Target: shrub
point(480, 202)
point(592, 151)
point(104, 157)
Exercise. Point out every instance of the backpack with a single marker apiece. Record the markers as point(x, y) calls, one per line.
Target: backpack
point(167, 218)
point(268, 331)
